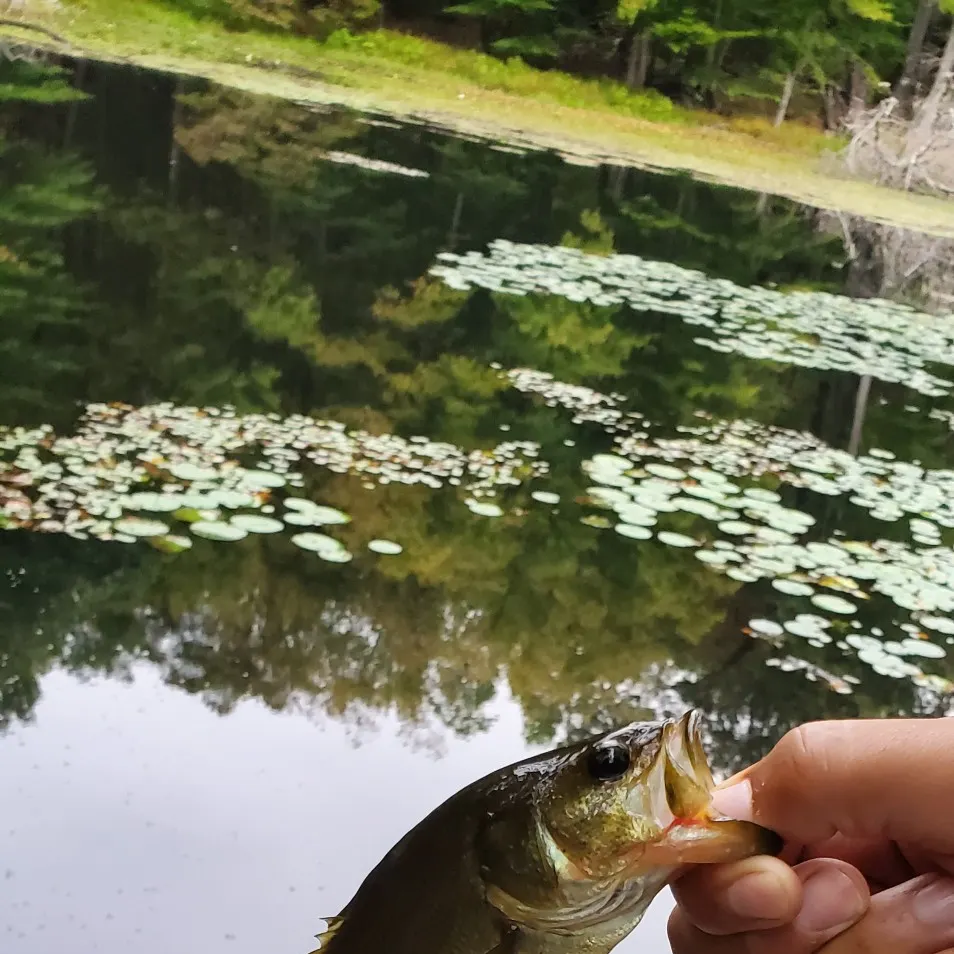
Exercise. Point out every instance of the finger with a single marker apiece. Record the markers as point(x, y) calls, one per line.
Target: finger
point(881, 862)
point(914, 918)
point(749, 895)
point(825, 778)
point(834, 896)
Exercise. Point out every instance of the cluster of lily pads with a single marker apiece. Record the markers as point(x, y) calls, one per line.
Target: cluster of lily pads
point(886, 488)
point(884, 339)
point(155, 472)
point(749, 534)
point(584, 402)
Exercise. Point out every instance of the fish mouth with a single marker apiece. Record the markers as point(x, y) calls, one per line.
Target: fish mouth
point(681, 786)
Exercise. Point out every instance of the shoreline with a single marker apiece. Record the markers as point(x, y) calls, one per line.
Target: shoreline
point(461, 107)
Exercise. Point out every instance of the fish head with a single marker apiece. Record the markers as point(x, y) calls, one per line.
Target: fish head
point(636, 802)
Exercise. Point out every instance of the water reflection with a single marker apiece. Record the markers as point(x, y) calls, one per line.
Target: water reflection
point(316, 422)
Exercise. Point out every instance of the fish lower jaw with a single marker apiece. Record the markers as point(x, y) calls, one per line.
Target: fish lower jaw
point(591, 908)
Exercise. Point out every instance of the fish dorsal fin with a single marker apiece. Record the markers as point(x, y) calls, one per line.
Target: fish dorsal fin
point(328, 935)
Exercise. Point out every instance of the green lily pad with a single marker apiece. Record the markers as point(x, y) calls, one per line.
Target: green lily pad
point(252, 523)
point(218, 530)
point(155, 502)
point(261, 480)
point(633, 531)
point(483, 509)
point(834, 604)
point(385, 547)
point(139, 527)
point(192, 472)
point(171, 543)
point(665, 471)
point(939, 624)
point(793, 587)
point(676, 539)
point(315, 515)
point(317, 543)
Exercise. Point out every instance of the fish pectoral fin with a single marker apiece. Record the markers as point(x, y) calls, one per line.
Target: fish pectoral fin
point(327, 936)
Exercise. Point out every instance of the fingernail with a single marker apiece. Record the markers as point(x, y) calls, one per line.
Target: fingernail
point(934, 903)
point(830, 901)
point(760, 895)
point(734, 801)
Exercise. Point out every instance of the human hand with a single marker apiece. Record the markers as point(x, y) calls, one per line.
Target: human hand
point(867, 811)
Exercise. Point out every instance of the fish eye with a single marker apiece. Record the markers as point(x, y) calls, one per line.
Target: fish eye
point(608, 762)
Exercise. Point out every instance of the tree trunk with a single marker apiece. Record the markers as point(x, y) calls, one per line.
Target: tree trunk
point(786, 99)
point(637, 65)
point(859, 89)
point(858, 421)
point(618, 182)
point(174, 148)
point(919, 28)
point(455, 223)
point(926, 119)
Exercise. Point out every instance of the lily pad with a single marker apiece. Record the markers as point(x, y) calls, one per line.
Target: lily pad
point(315, 515)
point(218, 530)
point(252, 523)
point(834, 604)
point(317, 543)
point(385, 547)
point(262, 480)
point(155, 502)
point(793, 587)
point(633, 531)
point(171, 543)
point(545, 497)
point(921, 647)
point(665, 471)
point(676, 539)
point(139, 527)
point(192, 472)
point(483, 509)
point(939, 624)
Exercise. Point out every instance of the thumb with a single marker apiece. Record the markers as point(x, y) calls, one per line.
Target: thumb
point(879, 778)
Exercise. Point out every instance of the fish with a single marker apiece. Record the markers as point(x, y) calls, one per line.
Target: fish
point(560, 853)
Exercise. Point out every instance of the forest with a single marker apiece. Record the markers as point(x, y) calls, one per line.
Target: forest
point(810, 59)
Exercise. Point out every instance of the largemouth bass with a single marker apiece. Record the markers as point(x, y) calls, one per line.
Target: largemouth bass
point(560, 853)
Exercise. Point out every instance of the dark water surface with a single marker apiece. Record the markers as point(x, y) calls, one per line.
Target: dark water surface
point(342, 462)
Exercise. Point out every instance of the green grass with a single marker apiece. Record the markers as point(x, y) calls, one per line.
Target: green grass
point(468, 92)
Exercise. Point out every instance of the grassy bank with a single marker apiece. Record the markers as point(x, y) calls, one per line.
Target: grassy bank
point(467, 92)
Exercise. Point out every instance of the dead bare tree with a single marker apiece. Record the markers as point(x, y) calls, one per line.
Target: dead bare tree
point(895, 263)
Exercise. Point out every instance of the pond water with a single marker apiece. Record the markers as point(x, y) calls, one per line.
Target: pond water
point(342, 461)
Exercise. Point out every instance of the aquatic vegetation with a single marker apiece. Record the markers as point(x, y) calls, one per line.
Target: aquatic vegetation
point(385, 547)
point(707, 474)
point(718, 490)
point(884, 339)
point(124, 463)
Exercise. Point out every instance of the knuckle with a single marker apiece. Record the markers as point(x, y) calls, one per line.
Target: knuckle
point(808, 747)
